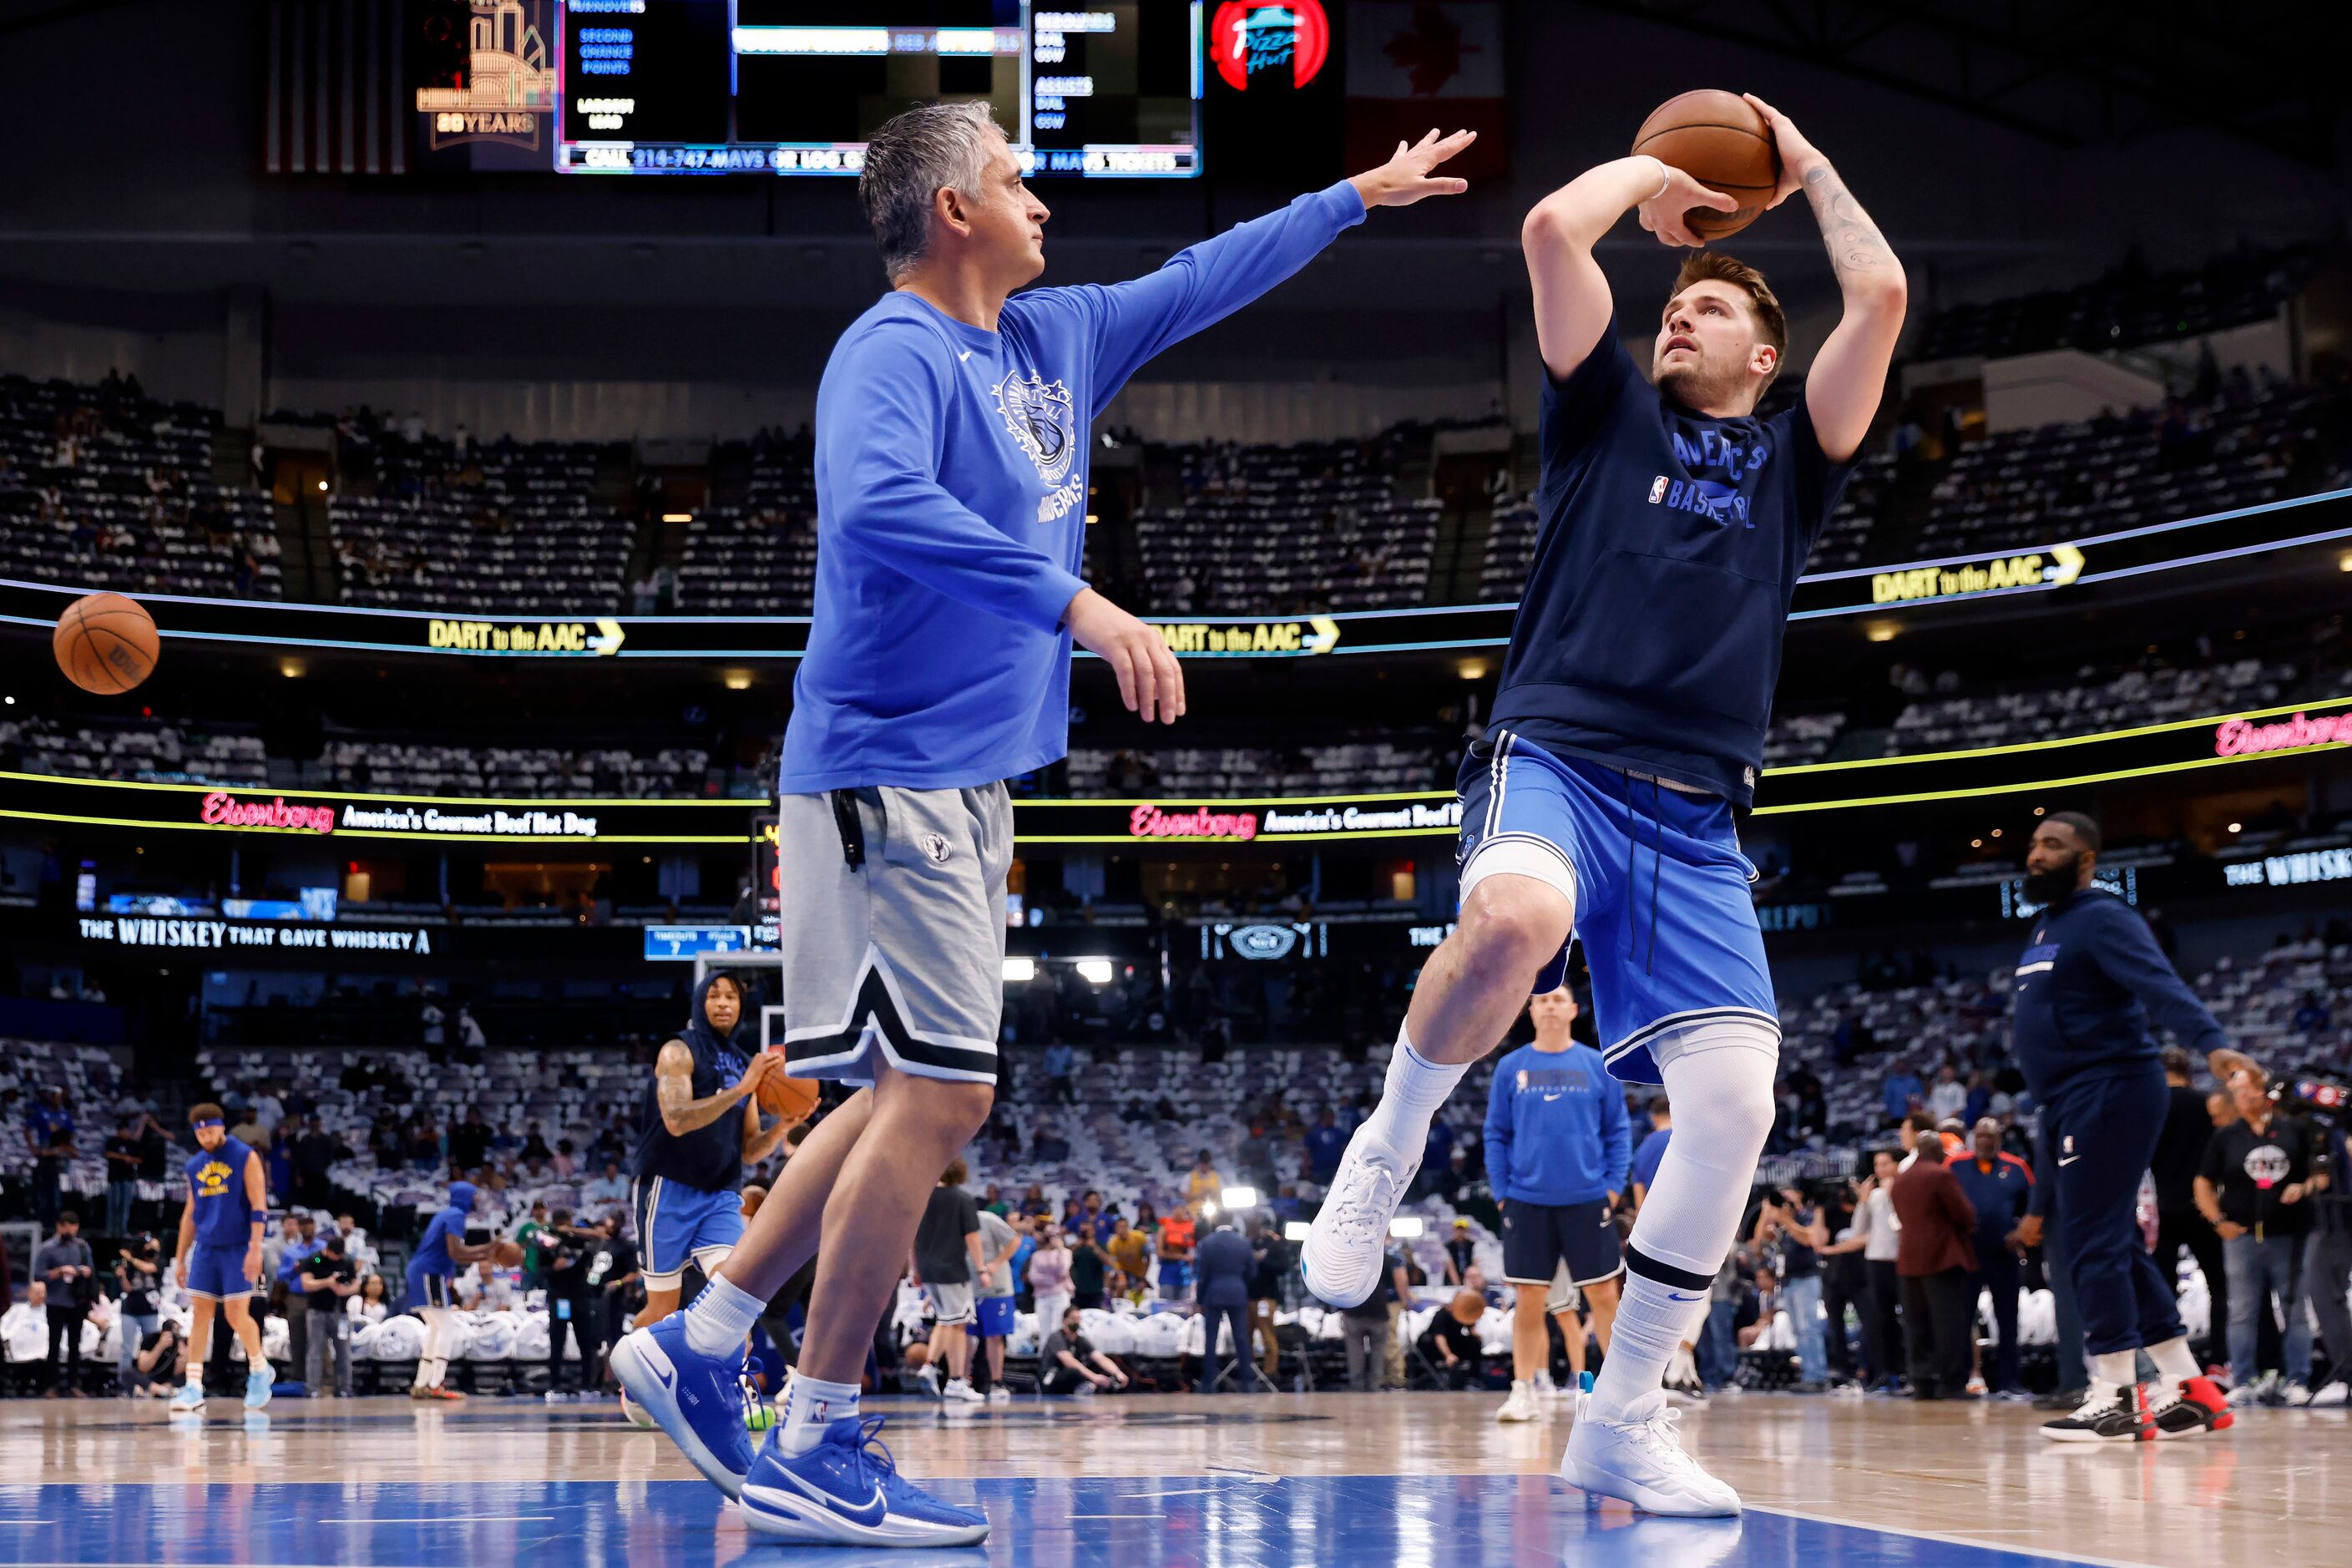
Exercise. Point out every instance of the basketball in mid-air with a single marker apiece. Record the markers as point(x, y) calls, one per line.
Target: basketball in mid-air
point(790, 1098)
point(105, 643)
point(506, 1252)
point(1719, 138)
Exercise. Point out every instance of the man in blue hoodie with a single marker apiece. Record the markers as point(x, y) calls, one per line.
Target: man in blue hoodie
point(1557, 1140)
point(440, 1253)
point(952, 441)
point(2087, 984)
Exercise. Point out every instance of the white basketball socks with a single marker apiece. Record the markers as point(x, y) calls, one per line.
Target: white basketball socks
point(721, 1318)
point(1722, 1071)
point(2173, 1360)
point(1416, 1086)
point(810, 1404)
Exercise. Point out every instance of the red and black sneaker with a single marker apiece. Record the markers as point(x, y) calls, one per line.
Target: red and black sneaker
point(2191, 1408)
point(2108, 1416)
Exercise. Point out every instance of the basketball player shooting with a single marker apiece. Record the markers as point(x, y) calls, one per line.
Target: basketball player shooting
point(951, 487)
point(1629, 724)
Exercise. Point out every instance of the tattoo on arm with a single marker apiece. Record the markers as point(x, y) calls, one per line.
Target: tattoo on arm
point(673, 1092)
point(1854, 244)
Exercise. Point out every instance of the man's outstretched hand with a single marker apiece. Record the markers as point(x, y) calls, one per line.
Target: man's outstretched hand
point(1149, 682)
point(1405, 178)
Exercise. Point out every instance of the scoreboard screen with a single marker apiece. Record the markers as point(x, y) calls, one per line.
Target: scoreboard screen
point(795, 86)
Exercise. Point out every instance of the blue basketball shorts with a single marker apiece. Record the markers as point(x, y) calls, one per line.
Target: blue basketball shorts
point(218, 1273)
point(677, 1222)
point(996, 1315)
point(1656, 879)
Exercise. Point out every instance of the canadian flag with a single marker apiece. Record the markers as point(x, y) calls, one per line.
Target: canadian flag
point(1415, 63)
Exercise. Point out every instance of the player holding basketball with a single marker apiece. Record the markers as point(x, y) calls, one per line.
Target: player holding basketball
point(1629, 725)
point(951, 487)
point(440, 1253)
point(2086, 986)
point(686, 1176)
point(219, 1255)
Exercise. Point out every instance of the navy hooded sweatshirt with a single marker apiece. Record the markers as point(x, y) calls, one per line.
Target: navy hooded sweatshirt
point(2086, 988)
point(710, 1157)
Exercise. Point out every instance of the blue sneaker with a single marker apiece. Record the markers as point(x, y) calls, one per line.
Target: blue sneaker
point(847, 1491)
point(257, 1385)
point(696, 1398)
point(190, 1397)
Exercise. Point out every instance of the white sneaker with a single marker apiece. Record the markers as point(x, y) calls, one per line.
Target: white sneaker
point(1521, 1406)
point(1542, 1385)
point(1340, 1259)
point(1642, 1462)
point(2331, 1396)
point(2294, 1395)
point(959, 1391)
point(927, 1375)
point(1000, 1395)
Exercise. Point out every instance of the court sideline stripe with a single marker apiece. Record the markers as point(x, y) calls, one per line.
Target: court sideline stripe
point(1949, 1538)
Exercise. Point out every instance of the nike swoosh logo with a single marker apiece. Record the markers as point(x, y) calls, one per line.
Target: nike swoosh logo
point(1550, 1097)
point(2069, 1159)
point(868, 1513)
point(1678, 1295)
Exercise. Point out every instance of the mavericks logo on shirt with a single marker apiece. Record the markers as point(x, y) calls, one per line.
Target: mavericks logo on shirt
point(1037, 412)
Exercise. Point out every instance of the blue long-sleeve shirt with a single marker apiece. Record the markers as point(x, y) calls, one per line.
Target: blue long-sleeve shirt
point(951, 489)
point(2086, 988)
point(1557, 1132)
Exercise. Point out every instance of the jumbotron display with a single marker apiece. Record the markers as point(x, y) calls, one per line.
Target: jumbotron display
point(795, 86)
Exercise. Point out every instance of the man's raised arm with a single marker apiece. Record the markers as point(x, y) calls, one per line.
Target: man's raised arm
point(1205, 283)
point(1849, 375)
point(1572, 303)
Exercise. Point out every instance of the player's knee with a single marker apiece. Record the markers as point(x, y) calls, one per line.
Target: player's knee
point(1531, 1299)
point(959, 1107)
point(1511, 926)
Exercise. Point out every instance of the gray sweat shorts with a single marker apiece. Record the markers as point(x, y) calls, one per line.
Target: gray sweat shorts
point(902, 953)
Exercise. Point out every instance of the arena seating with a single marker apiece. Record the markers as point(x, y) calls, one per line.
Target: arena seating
point(499, 527)
point(1367, 766)
point(92, 1082)
point(1287, 529)
point(164, 752)
point(104, 488)
point(760, 559)
point(516, 771)
point(2128, 306)
point(2133, 698)
point(2074, 481)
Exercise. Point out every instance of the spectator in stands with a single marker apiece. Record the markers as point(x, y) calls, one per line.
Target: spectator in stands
point(1949, 1097)
point(1461, 1251)
point(1049, 1272)
point(1716, 1354)
point(138, 1277)
point(1202, 1184)
point(1129, 1249)
point(2257, 1173)
point(470, 1141)
point(49, 1134)
point(1090, 1263)
point(329, 1277)
point(276, 1247)
point(469, 1033)
point(1256, 1162)
point(1058, 1060)
point(1902, 1093)
point(1934, 1259)
point(1451, 1344)
point(1068, 1363)
point(1326, 1143)
point(1369, 1326)
point(315, 1153)
point(1049, 1147)
point(122, 1162)
point(1033, 1202)
point(611, 1187)
point(64, 1264)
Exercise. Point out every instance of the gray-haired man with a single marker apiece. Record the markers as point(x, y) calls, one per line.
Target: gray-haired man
point(951, 484)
